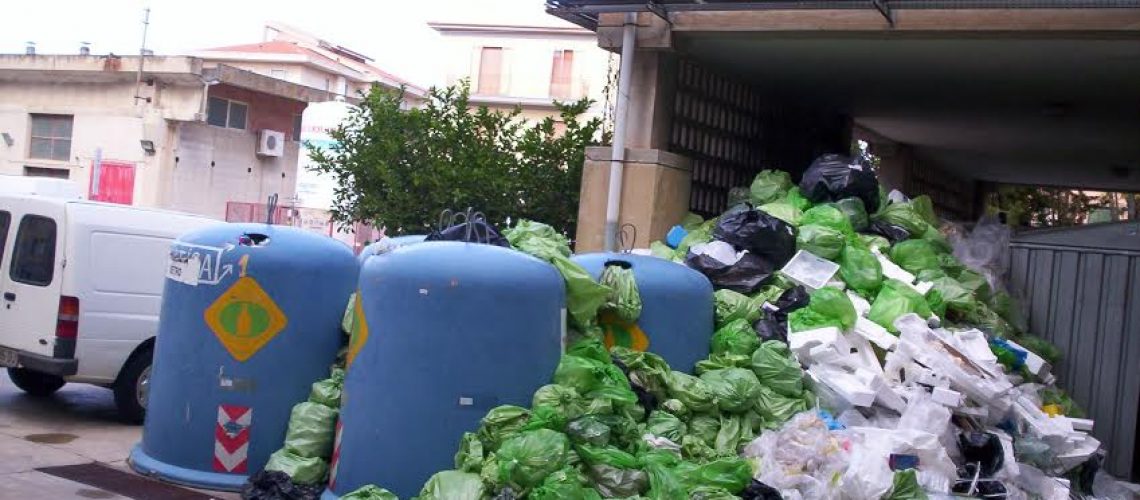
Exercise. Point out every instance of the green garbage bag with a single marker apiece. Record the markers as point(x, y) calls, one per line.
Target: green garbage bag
point(1056, 396)
point(589, 429)
point(905, 487)
point(624, 300)
point(590, 348)
point(676, 408)
point(929, 274)
point(347, 321)
point(664, 483)
point(735, 388)
point(527, 230)
point(695, 449)
point(896, 299)
point(915, 255)
point(469, 458)
point(855, 211)
point(769, 186)
point(584, 296)
point(950, 264)
point(827, 306)
point(904, 216)
point(326, 392)
point(704, 427)
point(646, 369)
point(988, 321)
point(453, 485)
point(615, 473)
point(797, 199)
point(370, 492)
point(692, 391)
point(860, 269)
point(489, 474)
point(784, 211)
point(822, 241)
point(546, 417)
point(976, 284)
point(500, 423)
point(775, 368)
point(312, 427)
point(666, 425)
point(565, 484)
point(527, 458)
point(662, 251)
point(733, 430)
point(936, 239)
point(830, 217)
point(702, 234)
point(732, 306)
point(737, 337)
point(722, 361)
point(1040, 347)
point(924, 207)
point(563, 398)
point(875, 242)
point(775, 409)
point(302, 470)
point(710, 493)
point(733, 474)
point(948, 295)
point(594, 379)
point(691, 221)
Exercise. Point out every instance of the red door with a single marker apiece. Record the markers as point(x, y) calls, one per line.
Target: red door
point(114, 183)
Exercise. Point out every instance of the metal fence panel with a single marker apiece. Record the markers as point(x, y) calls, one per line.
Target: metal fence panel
point(1086, 300)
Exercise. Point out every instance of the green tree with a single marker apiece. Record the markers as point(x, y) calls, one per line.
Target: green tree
point(400, 168)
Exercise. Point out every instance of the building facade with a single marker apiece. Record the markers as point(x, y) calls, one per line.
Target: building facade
point(177, 134)
point(526, 66)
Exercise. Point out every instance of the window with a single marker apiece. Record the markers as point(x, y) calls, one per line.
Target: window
point(560, 74)
point(54, 173)
point(5, 219)
point(279, 74)
point(226, 113)
point(490, 70)
point(51, 137)
point(33, 256)
point(296, 128)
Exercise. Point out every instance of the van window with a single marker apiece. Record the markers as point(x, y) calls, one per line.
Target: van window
point(33, 256)
point(5, 218)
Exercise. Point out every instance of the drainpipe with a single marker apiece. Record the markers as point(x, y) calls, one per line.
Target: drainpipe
point(617, 158)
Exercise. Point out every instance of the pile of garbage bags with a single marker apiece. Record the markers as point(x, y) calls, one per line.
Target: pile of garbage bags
point(859, 353)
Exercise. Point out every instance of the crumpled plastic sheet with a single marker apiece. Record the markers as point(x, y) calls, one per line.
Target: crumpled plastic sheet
point(985, 249)
point(802, 459)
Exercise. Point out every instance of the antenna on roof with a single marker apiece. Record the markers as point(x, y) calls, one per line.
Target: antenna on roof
point(142, 57)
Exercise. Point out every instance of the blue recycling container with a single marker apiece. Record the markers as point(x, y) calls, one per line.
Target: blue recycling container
point(250, 318)
point(678, 308)
point(451, 330)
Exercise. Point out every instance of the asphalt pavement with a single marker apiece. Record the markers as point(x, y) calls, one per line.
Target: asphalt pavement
point(78, 425)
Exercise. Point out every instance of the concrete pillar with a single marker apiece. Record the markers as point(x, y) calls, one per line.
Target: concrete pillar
point(654, 195)
point(653, 89)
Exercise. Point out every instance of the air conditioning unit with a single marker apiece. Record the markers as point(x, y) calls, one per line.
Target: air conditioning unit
point(270, 143)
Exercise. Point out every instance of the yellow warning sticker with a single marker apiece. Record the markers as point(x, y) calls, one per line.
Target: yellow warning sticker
point(245, 318)
point(620, 333)
point(359, 335)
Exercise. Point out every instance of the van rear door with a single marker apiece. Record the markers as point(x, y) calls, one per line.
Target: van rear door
point(31, 273)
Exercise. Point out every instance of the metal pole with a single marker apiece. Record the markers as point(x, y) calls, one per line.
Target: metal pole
point(142, 55)
point(617, 158)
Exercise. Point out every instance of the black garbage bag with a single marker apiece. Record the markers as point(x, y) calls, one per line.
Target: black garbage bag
point(792, 299)
point(760, 491)
point(645, 399)
point(833, 177)
point(971, 484)
point(771, 328)
point(276, 485)
point(759, 233)
point(982, 448)
point(891, 232)
point(477, 231)
point(745, 276)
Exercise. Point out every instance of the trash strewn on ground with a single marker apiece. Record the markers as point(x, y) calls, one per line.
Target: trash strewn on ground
point(859, 353)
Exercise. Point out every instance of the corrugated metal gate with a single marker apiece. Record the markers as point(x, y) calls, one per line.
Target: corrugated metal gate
point(1081, 287)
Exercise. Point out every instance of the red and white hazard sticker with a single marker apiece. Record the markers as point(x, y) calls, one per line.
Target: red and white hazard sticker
point(231, 438)
point(335, 460)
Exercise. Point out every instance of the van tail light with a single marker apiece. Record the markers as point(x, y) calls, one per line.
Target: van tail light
point(67, 322)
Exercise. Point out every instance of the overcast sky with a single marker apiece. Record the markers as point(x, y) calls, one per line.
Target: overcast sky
point(392, 32)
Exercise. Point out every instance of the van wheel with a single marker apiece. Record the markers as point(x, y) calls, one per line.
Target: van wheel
point(132, 389)
point(35, 383)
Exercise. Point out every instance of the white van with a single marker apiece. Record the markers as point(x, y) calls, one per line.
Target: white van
point(82, 285)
